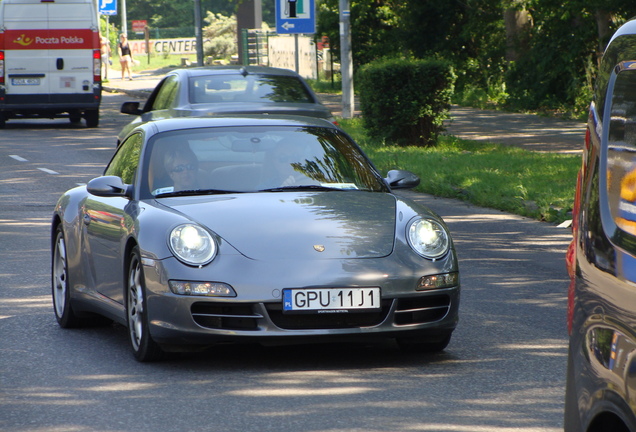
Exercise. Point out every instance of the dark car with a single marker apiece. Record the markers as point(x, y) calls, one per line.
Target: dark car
point(262, 228)
point(236, 90)
point(601, 260)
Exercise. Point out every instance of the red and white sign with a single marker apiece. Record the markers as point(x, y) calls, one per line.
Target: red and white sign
point(139, 26)
point(49, 39)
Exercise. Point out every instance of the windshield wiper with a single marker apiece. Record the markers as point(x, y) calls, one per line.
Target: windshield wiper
point(301, 188)
point(195, 192)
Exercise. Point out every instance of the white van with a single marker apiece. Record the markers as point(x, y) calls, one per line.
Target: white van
point(50, 62)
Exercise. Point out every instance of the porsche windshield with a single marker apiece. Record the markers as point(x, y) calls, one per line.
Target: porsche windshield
point(250, 159)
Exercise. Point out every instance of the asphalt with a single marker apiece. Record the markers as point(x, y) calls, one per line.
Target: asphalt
point(532, 132)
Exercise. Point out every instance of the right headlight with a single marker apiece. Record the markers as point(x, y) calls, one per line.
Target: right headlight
point(192, 244)
point(427, 237)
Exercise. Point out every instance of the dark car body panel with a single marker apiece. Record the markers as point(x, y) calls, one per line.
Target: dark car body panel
point(601, 380)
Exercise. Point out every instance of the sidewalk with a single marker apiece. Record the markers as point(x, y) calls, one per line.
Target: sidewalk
point(533, 132)
point(536, 133)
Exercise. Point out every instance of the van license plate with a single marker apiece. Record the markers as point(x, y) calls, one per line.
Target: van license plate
point(25, 81)
point(324, 300)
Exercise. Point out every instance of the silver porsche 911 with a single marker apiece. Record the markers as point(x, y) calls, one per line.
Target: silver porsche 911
point(243, 229)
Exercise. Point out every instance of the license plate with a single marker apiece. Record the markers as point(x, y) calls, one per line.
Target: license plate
point(331, 300)
point(25, 81)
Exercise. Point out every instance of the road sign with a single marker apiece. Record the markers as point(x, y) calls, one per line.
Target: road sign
point(139, 26)
point(295, 16)
point(108, 7)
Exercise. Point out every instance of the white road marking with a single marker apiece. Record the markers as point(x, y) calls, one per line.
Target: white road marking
point(18, 158)
point(48, 171)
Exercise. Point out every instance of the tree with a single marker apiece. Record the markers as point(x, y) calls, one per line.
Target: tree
point(374, 28)
point(220, 35)
point(533, 53)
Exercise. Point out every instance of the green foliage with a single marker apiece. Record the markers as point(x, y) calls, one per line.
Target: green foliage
point(405, 101)
point(220, 35)
point(557, 62)
point(374, 28)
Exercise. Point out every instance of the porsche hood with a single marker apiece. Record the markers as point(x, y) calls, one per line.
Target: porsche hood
point(285, 225)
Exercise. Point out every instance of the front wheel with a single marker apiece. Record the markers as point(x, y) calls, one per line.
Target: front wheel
point(144, 348)
point(61, 287)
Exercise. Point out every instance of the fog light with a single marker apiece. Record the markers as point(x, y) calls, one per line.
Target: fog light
point(211, 289)
point(444, 280)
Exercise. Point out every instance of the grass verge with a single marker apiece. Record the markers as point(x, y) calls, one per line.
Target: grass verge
point(507, 178)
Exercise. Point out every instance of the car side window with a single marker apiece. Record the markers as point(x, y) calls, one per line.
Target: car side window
point(167, 93)
point(621, 154)
point(125, 162)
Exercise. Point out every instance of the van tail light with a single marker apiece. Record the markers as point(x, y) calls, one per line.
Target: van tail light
point(97, 66)
point(1, 67)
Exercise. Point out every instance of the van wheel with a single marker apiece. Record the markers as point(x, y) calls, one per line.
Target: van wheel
point(92, 118)
point(3, 121)
point(75, 117)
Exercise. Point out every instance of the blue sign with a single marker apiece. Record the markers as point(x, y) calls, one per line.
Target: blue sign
point(108, 7)
point(294, 16)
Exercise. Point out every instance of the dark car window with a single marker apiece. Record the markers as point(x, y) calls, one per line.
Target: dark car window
point(167, 93)
point(250, 159)
point(249, 88)
point(621, 156)
point(124, 163)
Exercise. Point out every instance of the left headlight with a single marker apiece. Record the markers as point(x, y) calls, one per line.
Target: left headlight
point(428, 238)
point(192, 245)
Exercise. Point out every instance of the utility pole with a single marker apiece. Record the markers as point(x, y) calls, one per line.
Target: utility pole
point(198, 31)
point(346, 60)
point(124, 18)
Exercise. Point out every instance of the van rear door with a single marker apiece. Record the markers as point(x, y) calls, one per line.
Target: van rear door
point(26, 68)
point(49, 50)
point(71, 60)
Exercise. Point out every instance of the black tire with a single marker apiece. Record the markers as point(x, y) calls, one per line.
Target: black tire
point(75, 117)
point(3, 121)
point(427, 346)
point(144, 348)
point(60, 284)
point(92, 118)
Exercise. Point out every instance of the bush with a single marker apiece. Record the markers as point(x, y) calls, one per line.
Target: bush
point(405, 102)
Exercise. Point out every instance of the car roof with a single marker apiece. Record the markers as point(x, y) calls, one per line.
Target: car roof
point(170, 124)
point(234, 70)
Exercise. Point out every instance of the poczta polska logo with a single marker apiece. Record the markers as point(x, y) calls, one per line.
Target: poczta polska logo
point(53, 40)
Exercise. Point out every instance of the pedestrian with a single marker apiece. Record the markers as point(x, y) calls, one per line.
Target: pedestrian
point(125, 56)
point(106, 53)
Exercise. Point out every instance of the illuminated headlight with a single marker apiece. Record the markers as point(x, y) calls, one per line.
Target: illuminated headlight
point(192, 245)
point(212, 289)
point(444, 280)
point(428, 238)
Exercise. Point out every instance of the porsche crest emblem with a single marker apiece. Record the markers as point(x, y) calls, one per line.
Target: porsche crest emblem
point(319, 248)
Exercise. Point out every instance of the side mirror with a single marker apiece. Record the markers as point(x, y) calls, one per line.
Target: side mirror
point(109, 186)
point(401, 179)
point(131, 108)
